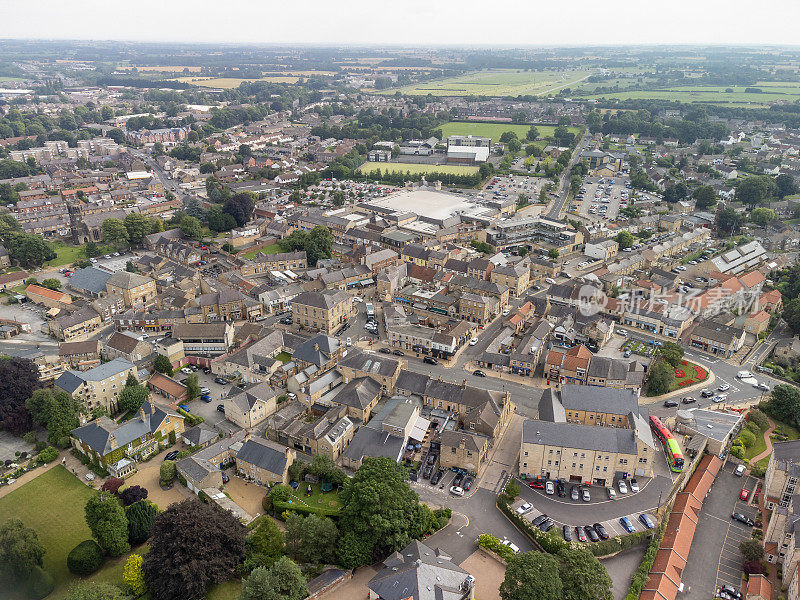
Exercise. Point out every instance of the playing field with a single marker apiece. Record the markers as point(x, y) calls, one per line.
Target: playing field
point(495, 130)
point(498, 82)
point(772, 91)
point(417, 169)
point(228, 83)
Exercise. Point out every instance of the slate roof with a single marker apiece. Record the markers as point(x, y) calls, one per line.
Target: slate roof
point(606, 400)
point(326, 299)
point(373, 443)
point(90, 279)
point(317, 350)
point(76, 318)
point(123, 342)
point(200, 434)
point(370, 363)
point(358, 393)
point(245, 400)
point(69, 381)
point(586, 437)
point(263, 454)
point(126, 280)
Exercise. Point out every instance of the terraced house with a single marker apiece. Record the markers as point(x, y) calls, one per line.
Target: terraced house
point(137, 291)
point(324, 311)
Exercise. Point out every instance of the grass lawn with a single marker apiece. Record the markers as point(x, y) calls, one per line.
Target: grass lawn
point(638, 348)
point(770, 92)
point(284, 357)
point(495, 130)
point(65, 255)
point(271, 249)
point(228, 83)
point(686, 374)
point(327, 503)
point(229, 590)
point(757, 448)
point(52, 504)
point(416, 169)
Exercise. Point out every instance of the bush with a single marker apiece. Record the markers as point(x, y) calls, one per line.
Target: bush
point(737, 451)
point(754, 567)
point(167, 473)
point(747, 438)
point(29, 437)
point(133, 494)
point(753, 428)
point(512, 489)
point(759, 418)
point(47, 455)
point(280, 493)
point(266, 503)
point(492, 543)
point(85, 558)
point(39, 446)
point(40, 583)
point(112, 485)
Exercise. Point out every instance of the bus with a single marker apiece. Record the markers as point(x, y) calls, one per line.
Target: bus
point(671, 447)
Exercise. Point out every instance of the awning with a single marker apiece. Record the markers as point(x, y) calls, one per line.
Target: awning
point(369, 281)
point(420, 429)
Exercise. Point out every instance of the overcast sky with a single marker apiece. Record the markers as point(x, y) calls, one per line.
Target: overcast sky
point(418, 22)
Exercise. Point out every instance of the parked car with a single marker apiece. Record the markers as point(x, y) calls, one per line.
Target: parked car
point(549, 488)
point(205, 398)
point(739, 470)
point(458, 479)
point(221, 408)
point(742, 519)
point(473, 341)
point(436, 477)
point(723, 387)
point(601, 531)
point(398, 353)
point(763, 386)
point(566, 532)
point(612, 495)
point(744, 374)
point(547, 525)
point(413, 476)
point(525, 508)
point(467, 483)
point(647, 521)
point(456, 491)
point(186, 370)
point(171, 455)
point(561, 488)
point(537, 484)
point(427, 471)
point(689, 400)
point(225, 478)
point(591, 533)
point(623, 488)
point(634, 484)
point(220, 381)
point(512, 545)
point(574, 493)
point(585, 495)
point(580, 534)
point(539, 520)
point(670, 404)
point(429, 360)
point(184, 407)
point(627, 525)
point(744, 494)
point(731, 592)
point(385, 351)
point(479, 373)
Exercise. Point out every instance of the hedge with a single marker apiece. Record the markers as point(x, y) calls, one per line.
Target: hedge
point(492, 543)
point(85, 558)
point(308, 510)
point(643, 572)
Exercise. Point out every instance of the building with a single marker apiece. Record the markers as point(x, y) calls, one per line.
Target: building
point(717, 339)
point(737, 260)
point(166, 387)
point(516, 277)
point(137, 291)
point(264, 462)
point(310, 430)
point(72, 326)
point(420, 573)
point(718, 426)
point(47, 297)
point(204, 338)
point(108, 443)
point(325, 311)
point(605, 250)
point(249, 407)
point(129, 346)
point(468, 149)
point(570, 365)
point(99, 387)
point(463, 450)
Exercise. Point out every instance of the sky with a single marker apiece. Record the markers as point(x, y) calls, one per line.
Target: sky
point(472, 23)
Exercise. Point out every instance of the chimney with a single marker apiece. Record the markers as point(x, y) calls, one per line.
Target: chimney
point(142, 414)
point(316, 347)
point(112, 441)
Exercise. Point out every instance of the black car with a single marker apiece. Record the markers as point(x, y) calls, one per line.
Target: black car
point(566, 531)
point(436, 477)
point(207, 371)
point(225, 478)
point(561, 488)
point(670, 404)
point(742, 519)
point(467, 484)
point(706, 393)
point(398, 353)
point(601, 531)
point(220, 381)
point(432, 458)
point(479, 373)
point(547, 525)
point(286, 321)
point(591, 534)
point(430, 360)
point(221, 408)
point(171, 455)
point(458, 479)
point(689, 400)
point(427, 471)
point(728, 591)
point(385, 351)
point(539, 520)
point(413, 475)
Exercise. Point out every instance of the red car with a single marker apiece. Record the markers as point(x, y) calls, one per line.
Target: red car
point(744, 494)
point(537, 484)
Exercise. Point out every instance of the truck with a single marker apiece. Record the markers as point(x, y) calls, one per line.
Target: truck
point(370, 311)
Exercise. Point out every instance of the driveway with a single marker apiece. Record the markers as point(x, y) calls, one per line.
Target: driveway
point(148, 474)
point(488, 573)
point(715, 558)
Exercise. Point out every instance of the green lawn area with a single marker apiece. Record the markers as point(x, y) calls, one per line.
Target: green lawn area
point(52, 504)
point(495, 130)
point(416, 169)
point(225, 591)
point(638, 348)
point(324, 503)
point(271, 249)
point(284, 357)
point(770, 92)
point(687, 373)
point(66, 255)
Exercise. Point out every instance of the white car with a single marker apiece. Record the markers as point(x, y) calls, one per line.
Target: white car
point(623, 489)
point(473, 341)
point(512, 545)
point(357, 299)
point(550, 280)
point(506, 312)
point(763, 386)
point(549, 488)
point(634, 486)
point(524, 508)
point(456, 491)
point(349, 341)
point(724, 386)
point(720, 398)
point(186, 370)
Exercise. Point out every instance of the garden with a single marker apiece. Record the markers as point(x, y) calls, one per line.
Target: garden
point(639, 348)
point(750, 442)
point(688, 373)
point(314, 502)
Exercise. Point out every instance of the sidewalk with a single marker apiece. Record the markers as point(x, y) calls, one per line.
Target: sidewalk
point(768, 442)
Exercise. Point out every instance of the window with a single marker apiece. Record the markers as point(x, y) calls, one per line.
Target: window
point(551, 451)
point(453, 450)
point(573, 465)
point(549, 462)
point(581, 465)
point(525, 465)
point(526, 453)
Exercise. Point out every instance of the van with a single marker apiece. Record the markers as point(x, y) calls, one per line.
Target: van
point(744, 374)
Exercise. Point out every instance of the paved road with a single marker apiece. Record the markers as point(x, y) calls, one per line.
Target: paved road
point(563, 192)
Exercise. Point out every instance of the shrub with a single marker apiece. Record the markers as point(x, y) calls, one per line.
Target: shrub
point(112, 485)
point(133, 576)
point(133, 494)
point(85, 558)
point(512, 489)
point(40, 583)
point(737, 451)
point(759, 418)
point(754, 567)
point(47, 455)
point(266, 503)
point(167, 473)
point(280, 493)
point(29, 437)
point(39, 446)
point(171, 437)
point(747, 438)
point(753, 428)
point(492, 543)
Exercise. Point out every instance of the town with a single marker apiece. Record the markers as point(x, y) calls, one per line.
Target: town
point(284, 324)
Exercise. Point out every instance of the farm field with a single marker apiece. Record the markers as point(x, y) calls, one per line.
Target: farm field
point(771, 92)
point(228, 83)
point(495, 130)
point(416, 169)
point(497, 82)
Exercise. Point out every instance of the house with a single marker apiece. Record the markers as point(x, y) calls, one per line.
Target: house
point(249, 407)
point(200, 436)
point(80, 353)
point(99, 387)
point(202, 470)
point(360, 396)
point(108, 443)
point(717, 339)
point(567, 365)
point(264, 462)
point(10, 280)
point(419, 573)
point(127, 345)
point(372, 443)
point(71, 326)
point(166, 387)
point(90, 282)
point(204, 338)
point(310, 430)
point(462, 450)
point(137, 291)
point(324, 311)
point(757, 323)
point(516, 277)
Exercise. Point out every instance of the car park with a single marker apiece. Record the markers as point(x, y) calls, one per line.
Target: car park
point(742, 519)
point(627, 525)
point(525, 508)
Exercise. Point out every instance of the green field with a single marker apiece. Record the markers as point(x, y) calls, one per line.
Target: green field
point(497, 82)
point(326, 503)
point(52, 504)
point(65, 255)
point(771, 92)
point(271, 249)
point(415, 169)
point(495, 130)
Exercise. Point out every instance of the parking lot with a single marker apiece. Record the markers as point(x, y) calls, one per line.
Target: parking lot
point(715, 549)
point(601, 201)
point(512, 186)
point(208, 410)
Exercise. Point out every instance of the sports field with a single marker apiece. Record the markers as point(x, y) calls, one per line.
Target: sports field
point(417, 169)
point(497, 82)
point(495, 130)
point(772, 91)
point(228, 83)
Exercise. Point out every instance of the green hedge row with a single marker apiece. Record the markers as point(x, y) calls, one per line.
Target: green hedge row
point(307, 510)
point(642, 573)
point(492, 543)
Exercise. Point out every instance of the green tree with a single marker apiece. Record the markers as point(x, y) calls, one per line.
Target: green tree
point(533, 133)
point(532, 576)
point(140, 517)
point(672, 354)
point(624, 239)
point(660, 378)
point(755, 189)
point(380, 512)
point(553, 253)
point(747, 438)
point(762, 216)
point(56, 410)
point(311, 539)
point(28, 249)
point(784, 404)
point(133, 576)
point(162, 365)
point(583, 576)
point(132, 397)
point(20, 549)
point(507, 136)
point(108, 524)
point(137, 226)
point(192, 386)
point(514, 145)
point(512, 489)
point(194, 208)
point(167, 472)
point(95, 590)
point(191, 228)
point(705, 197)
point(785, 185)
point(338, 198)
point(85, 558)
point(728, 220)
point(265, 543)
point(751, 549)
point(115, 233)
point(283, 581)
point(220, 221)
point(51, 283)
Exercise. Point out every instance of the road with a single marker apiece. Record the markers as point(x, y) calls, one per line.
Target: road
point(559, 202)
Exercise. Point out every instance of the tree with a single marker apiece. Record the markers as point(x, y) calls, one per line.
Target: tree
point(660, 378)
point(192, 386)
point(533, 133)
point(705, 197)
point(132, 494)
point(512, 489)
point(132, 575)
point(283, 581)
point(167, 472)
point(507, 136)
point(28, 249)
point(747, 438)
point(85, 558)
point(220, 221)
point(92, 250)
point(191, 228)
point(553, 253)
point(51, 283)
point(676, 192)
point(532, 576)
point(624, 239)
point(193, 545)
point(140, 516)
point(762, 216)
point(240, 207)
point(311, 539)
point(19, 377)
point(784, 404)
point(729, 220)
point(751, 549)
point(112, 485)
point(108, 524)
point(323, 467)
point(672, 354)
point(137, 226)
point(338, 198)
point(162, 365)
point(380, 512)
point(56, 410)
point(755, 189)
point(583, 576)
point(194, 208)
point(95, 590)
point(514, 145)
point(265, 543)
point(785, 185)
point(20, 549)
point(132, 397)
point(115, 233)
